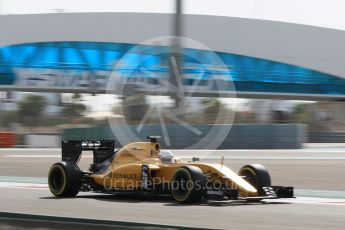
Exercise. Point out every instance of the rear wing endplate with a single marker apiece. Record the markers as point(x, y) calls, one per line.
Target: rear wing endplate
point(72, 150)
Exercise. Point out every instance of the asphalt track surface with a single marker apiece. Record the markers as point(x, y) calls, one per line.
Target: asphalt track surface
point(317, 173)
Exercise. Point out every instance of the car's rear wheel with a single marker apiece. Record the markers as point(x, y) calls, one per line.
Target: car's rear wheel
point(257, 175)
point(188, 184)
point(64, 179)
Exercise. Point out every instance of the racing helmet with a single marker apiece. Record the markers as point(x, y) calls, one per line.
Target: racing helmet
point(166, 156)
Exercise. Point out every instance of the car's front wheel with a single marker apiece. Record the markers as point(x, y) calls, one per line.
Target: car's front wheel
point(257, 175)
point(64, 179)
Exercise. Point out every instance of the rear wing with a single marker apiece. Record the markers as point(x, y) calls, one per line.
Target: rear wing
point(72, 150)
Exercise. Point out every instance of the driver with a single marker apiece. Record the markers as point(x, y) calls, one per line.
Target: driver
point(167, 157)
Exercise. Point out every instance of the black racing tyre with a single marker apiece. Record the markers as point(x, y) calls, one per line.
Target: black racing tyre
point(188, 184)
point(257, 175)
point(64, 179)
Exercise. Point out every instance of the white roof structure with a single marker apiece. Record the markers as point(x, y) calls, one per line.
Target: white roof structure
point(312, 47)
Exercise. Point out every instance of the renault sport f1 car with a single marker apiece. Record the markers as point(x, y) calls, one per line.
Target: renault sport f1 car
point(143, 167)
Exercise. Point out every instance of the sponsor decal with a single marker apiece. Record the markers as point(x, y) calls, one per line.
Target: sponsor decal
point(145, 176)
point(123, 175)
point(34, 77)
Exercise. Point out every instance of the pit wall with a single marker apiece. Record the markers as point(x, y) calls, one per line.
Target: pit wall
point(241, 136)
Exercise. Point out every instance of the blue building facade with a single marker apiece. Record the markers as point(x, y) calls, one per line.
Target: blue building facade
point(249, 74)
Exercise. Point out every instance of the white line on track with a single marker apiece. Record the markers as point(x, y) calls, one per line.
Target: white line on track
point(30, 149)
point(311, 200)
point(307, 150)
point(36, 156)
point(23, 185)
point(266, 158)
point(203, 157)
point(298, 200)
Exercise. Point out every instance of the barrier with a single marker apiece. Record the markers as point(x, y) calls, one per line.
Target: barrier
point(241, 136)
point(326, 137)
point(42, 140)
point(7, 139)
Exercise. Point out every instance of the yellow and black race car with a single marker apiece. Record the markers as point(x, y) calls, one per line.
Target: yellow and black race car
point(144, 168)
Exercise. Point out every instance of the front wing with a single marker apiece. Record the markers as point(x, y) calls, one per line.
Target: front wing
point(272, 192)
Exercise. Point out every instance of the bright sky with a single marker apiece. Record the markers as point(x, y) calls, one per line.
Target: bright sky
point(324, 13)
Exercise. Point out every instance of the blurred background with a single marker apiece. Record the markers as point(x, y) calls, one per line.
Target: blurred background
point(53, 88)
